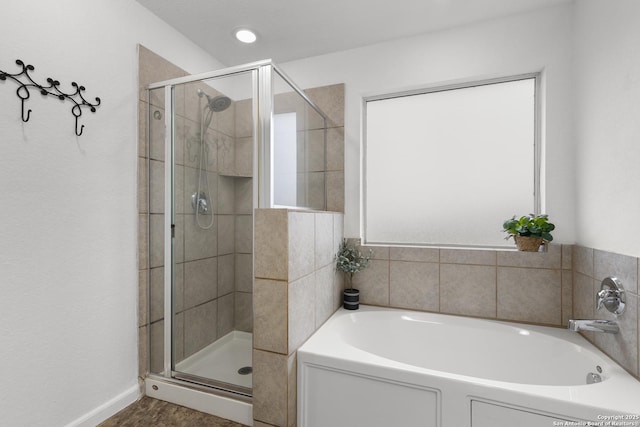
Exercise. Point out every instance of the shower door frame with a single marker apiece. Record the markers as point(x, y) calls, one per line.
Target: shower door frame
point(169, 373)
point(262, 111)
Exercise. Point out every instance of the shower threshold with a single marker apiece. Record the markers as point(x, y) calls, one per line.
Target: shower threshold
point(226, 360)
point(203, 399)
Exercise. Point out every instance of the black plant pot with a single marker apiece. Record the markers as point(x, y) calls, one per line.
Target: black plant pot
point(351, 299)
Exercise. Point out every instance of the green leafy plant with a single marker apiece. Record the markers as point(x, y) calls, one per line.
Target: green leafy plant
point(351, 261)
point(529, 226)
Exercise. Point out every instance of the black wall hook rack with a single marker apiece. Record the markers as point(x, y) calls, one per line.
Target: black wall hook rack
point(51, 89)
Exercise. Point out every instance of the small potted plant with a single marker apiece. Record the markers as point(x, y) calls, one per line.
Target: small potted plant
point(351, 261)
point(529, 231)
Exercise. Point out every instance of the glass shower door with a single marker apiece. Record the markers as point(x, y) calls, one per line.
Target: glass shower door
point(213, 207)
point(201, 169)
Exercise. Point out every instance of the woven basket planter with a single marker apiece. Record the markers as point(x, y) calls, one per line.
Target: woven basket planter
point(527, 243)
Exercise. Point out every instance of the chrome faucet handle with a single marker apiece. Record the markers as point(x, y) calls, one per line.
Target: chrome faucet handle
point(607, 295)
point(611, 296)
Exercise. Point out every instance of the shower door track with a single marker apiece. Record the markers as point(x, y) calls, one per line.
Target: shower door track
point(232, 389)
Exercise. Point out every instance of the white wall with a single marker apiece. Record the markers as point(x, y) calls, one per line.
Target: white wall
point(519, 44)
point(607, 105)
point(68, 211)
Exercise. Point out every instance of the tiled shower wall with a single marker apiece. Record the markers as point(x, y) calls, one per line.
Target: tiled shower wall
point(151, 68)
point(330, 99)
point(296, 290)
point(213, 267)
point(320, 146)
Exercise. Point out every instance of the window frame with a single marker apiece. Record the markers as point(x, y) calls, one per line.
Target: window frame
point(538, 199)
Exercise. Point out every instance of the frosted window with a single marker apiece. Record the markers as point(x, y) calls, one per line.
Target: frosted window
point(446, 167)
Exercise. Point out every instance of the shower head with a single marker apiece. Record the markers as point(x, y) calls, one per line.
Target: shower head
point(219, 103)
point(216, 103)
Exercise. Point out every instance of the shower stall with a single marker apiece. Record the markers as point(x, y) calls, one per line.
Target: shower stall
point(221, 144)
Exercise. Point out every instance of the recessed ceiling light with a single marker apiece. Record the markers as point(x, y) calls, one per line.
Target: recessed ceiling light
point(246, 36)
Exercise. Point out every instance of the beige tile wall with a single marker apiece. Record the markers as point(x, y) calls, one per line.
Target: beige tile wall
point(296, 290)
point(506, 285)
point(151, 68)
point(320, 159)
point(590, 266)
point(330, 99)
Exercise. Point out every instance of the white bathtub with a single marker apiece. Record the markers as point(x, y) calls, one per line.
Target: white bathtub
point(387, 367)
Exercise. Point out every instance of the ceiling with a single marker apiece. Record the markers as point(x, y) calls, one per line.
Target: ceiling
point(294, 29)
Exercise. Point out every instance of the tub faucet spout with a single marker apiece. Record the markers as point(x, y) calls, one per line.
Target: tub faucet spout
point(607, 326)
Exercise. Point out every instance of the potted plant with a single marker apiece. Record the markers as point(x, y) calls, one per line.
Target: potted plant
point(351, 261)
point(529, 231)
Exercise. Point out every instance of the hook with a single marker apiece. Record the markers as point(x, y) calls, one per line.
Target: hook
point(28, 112)
point(52, 89)
point(23, 94)
point(81, 128)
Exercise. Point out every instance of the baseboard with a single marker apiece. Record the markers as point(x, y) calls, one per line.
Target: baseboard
point(108, 409)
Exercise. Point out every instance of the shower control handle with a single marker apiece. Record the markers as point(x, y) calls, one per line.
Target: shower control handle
point(199, 203)
point(611, 296)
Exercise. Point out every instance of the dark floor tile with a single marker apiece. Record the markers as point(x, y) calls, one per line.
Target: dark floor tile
point(148, 412)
